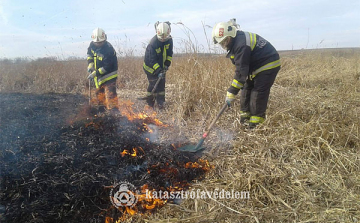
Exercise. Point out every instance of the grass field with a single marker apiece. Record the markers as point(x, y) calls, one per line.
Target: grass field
point(301, 165)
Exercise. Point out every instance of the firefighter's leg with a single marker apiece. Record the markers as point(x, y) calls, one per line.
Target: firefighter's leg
point(111, 95)
point(260, 96)
point(160, 96)
point(100, 99)
point(245, 101)
point(150, 100)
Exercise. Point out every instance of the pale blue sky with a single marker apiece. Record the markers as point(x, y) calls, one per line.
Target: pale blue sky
point(43, 28)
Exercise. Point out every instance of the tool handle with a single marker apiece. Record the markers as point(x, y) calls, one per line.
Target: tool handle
point(214, 121)
point(89, 92)
point(156, 84)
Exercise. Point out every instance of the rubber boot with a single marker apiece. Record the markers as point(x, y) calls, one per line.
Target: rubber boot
point(255, 121)
point(244, 116)
point(150, 100)
point(160, 99)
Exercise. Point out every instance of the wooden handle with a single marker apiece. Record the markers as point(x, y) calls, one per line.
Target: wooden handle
point(214, 121)
point(156, 84)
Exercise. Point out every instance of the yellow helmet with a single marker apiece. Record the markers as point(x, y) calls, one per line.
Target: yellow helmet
point(223, 30)
point(98, 35)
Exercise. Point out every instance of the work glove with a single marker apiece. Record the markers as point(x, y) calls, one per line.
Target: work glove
point(167, 63)
point(92, 75)
point(90, 68)
point(157, 72)
point(230, 97)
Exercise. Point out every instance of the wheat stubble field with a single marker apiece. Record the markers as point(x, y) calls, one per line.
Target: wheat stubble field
point(301, 165)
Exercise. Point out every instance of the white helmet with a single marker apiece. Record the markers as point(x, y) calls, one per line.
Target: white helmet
point(163, 31)
point(98, 35)
point(223, 30)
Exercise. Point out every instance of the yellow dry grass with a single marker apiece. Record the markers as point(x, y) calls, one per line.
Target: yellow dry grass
point(301, 165)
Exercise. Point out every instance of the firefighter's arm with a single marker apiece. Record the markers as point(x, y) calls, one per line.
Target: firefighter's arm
point(169, 54)
point(153, 62)
point(90, 60)
point(242, 63)
point(108, 61)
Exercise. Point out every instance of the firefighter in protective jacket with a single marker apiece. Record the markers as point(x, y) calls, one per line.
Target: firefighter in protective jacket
point(103, 66)
point(256, 65)
point(158, 57)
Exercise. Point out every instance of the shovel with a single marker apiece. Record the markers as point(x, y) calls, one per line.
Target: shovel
point(193, 148)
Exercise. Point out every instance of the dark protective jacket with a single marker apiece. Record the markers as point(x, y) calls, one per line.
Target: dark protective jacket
point(251, 54)
point(157, 55)
point(105, 62)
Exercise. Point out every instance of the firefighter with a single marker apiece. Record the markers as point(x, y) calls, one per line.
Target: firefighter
point(103, 66)
point(158, 57)
point(256, 65)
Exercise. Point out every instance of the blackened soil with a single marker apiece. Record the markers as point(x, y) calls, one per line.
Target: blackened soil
point(58, 162)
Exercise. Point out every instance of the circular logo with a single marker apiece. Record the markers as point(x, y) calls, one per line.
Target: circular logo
point(122, 195)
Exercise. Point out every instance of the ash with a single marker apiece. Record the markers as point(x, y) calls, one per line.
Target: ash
point(58, 162)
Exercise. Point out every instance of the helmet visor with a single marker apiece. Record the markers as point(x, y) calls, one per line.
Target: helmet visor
point(219, 39)
point(225, 42)
point(163, 38)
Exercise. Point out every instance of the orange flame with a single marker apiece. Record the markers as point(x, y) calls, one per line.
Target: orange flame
point(149, 116)
point(145, 199)
point(203, 164)
point(134, 152)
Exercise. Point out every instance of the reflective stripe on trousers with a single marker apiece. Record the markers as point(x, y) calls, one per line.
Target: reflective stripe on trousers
point(256, 119)
point(101, 80)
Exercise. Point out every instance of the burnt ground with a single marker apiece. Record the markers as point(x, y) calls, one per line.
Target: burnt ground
point(58, 162)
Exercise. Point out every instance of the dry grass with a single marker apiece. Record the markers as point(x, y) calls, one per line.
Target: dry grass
point(301, 165)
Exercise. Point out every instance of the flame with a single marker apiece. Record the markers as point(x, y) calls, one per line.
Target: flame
point(130, 211)
point(203, 164)
point(125, 107)
point(145, 200)
point(134, 152)
point(99, 98)
point(146, 127)
point(149, 202)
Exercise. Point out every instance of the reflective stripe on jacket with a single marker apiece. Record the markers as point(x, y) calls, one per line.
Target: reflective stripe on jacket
point(102, 79)
point(156, 54)
point(251, 54)
point(105, 62)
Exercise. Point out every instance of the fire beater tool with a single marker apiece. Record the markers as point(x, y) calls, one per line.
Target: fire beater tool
point(196, 148)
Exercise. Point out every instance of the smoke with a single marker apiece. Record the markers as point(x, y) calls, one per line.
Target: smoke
point(154, 135)
point(56, 166)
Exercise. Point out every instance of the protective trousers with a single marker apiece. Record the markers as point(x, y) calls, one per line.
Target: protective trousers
point(159, 94)
point(255, 95)
point(106, 96)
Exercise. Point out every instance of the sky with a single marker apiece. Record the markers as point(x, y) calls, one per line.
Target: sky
point(62, 29)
